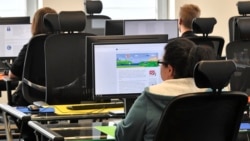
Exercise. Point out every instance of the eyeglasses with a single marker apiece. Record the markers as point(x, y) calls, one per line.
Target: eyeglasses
point(161, 62)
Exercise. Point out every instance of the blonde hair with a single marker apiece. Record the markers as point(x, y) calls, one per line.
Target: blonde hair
point(187, 13)
point(37, 23)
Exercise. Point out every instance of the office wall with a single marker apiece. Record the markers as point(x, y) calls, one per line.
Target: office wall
point(222, 10)
point(64, 5)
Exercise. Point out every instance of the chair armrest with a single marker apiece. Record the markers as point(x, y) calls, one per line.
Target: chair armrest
point(34, 85)
point(10, 85)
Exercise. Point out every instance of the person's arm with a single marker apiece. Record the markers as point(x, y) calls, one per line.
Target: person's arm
point(16, 69)
point(11, 75)
point(133, 126)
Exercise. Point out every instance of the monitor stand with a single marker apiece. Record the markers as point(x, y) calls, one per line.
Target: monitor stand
point(128, 102)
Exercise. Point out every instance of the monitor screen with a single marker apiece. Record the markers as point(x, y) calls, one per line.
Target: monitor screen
point(114, 27)
point(142, 27)
point(123, 70)
point(12, 39)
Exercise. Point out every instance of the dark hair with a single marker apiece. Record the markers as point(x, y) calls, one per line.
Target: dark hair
point(177, 54)
point(202, 52)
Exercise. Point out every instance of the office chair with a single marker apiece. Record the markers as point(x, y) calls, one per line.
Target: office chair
point(239, 51)
point(33, 78)
point(205, 26)
point(51, 22)
point(95, 22)
point(206, 116)
point(244, 11)
point(65, 60)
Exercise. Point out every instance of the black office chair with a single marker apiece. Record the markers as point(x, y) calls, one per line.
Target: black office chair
point(206, 116)
point(205, 26)
point(65, 61)
point(95, 22)
point(244, 11)
point(239, 51)
point(33, 78)
point(51, 21)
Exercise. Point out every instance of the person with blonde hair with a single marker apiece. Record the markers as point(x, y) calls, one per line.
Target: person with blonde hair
point(187, 13)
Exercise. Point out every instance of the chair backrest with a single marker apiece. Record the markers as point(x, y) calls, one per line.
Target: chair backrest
point(244, 11)
point(50, 20)
point(65, 60)
point(239, 51)
point(205, 26)
point(205, 116)
point(33, 78)
point(95, 22)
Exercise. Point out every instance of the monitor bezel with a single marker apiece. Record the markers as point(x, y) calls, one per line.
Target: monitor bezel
point(15, 20)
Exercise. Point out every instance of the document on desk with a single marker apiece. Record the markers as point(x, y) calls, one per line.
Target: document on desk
point(109, 130)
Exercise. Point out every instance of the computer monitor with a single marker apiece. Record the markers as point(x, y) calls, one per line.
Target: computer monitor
point(95, 26)
point(114, 27)
point(12, 39)
point(147, 26)
point(90, 40)
point(107, 62)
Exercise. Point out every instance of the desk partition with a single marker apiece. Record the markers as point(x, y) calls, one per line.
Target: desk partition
point(97, 131)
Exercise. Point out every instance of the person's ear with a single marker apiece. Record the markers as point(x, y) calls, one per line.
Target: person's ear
point(179, 24)
point(167, 72)
point(180, 21)
point(170, 71)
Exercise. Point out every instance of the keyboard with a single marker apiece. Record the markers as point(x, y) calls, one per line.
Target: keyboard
point(96, 106)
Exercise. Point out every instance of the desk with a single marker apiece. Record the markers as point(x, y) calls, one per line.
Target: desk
point(97, 131)
point(7, 84)
point(44, 117)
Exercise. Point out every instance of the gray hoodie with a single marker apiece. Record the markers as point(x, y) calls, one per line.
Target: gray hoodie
point(141, 122)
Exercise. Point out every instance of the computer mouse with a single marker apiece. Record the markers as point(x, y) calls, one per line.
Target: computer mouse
point(33, 108)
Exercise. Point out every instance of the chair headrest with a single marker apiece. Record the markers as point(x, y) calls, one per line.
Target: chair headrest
point(93, 6)
point(214, 74)
point(244, 27)
point(203, 25)
point(72, 20)
point(50, 20)
point(243, 7)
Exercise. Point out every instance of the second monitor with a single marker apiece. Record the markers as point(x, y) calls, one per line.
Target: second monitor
point(142, 27)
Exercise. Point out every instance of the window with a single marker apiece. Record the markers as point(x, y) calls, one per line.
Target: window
point(13, 8)
point(126, 9)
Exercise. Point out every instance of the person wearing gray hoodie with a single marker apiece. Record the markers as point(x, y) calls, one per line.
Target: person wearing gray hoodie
point(177, 74)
